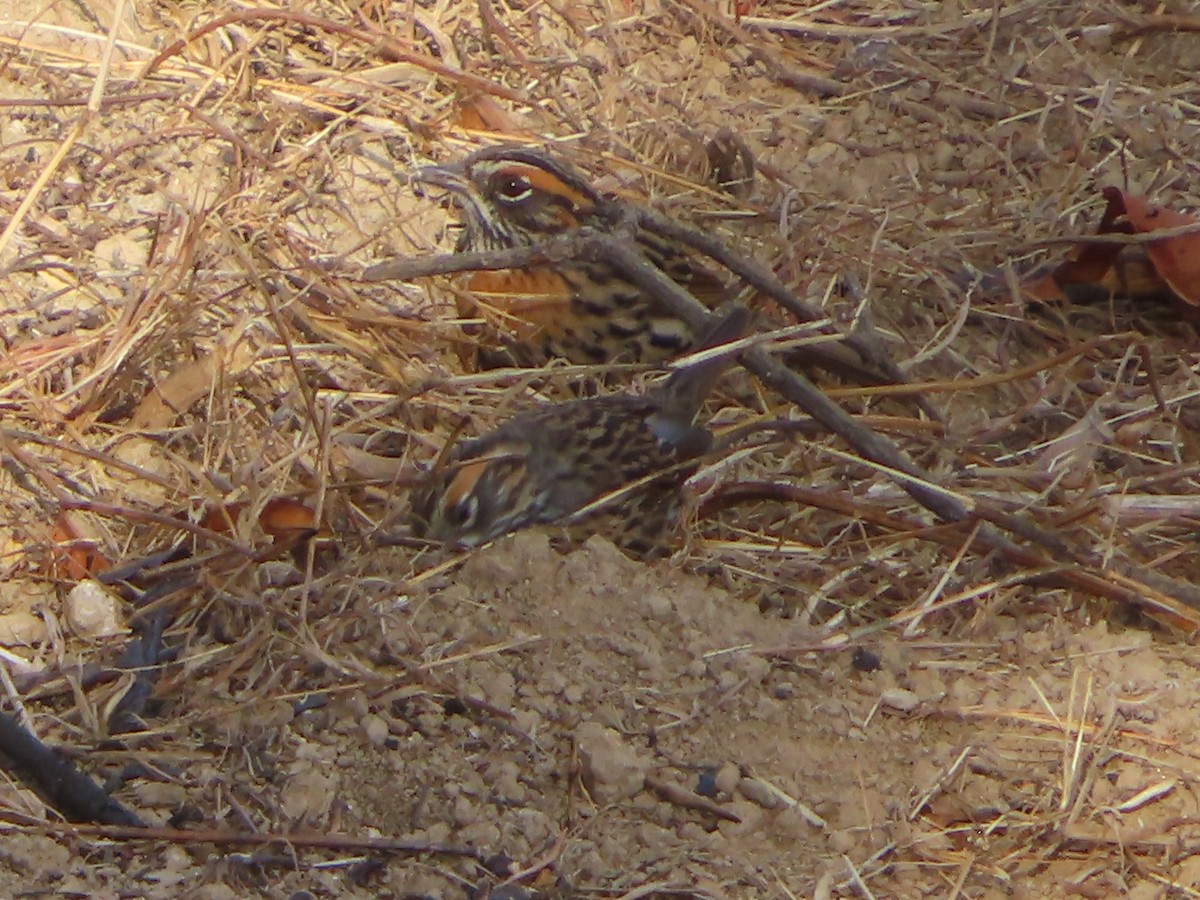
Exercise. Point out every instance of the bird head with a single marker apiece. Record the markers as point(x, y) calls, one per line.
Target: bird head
point(514, 196)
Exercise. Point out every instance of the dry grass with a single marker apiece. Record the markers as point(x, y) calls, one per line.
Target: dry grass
point(191, 197)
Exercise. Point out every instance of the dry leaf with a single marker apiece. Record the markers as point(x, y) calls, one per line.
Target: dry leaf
point(1176, 259)
point(281, 517)
point(74, 550)
point(1168, 265)
point(172, 396)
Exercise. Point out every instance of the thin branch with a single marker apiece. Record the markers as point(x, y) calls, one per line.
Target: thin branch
point(65, 787)
point(323, 841)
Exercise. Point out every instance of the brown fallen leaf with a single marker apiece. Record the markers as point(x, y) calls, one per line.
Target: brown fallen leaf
point(73, 550)
point(174, 395)
point(282, 517)
point(483, 113)
point(1177, 258)
point(1170, 266)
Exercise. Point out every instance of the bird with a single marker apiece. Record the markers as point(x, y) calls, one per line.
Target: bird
point(553, 463)
point(583, 311)
point(577, 310)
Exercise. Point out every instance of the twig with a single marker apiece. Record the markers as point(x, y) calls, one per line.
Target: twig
point(382, 42)
point(785, 74)
point(681, 796)
point(105, 102)
point(97, 96)
point(67, 789)
point(252, 839)
point(758, 277)
point(1142, 588)
point(1143, 237)
point(1138, 26)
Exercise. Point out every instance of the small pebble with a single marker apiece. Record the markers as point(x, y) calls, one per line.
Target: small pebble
point(783, 690)
point(900, 699)
point(573, 694)
point(865, 660)
point(658, 606)
point(611, 769)
point(727, 778)
point(375, 729)
point(757, 792)
point(842, 842)
point(93, 611)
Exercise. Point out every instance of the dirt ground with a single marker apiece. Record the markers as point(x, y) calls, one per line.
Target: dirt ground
point(796, 703)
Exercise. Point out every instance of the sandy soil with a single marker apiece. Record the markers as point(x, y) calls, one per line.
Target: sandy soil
point(764, 714)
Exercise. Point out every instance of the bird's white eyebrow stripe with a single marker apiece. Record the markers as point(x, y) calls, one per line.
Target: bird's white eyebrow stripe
point(542, 180)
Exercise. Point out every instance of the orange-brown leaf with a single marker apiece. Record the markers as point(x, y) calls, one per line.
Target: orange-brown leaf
point(280, 517)
point(1044, 288)
point(1171, 264)
point(75, 554)
point(482, 113)
point(222, 517)
point(1090, 262)
point(1176, 259)
point(283, 517)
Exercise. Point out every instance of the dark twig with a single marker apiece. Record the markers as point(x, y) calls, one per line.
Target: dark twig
point(764, 51)
point(408, 268)
point(1138, 589)
point(342, 842)
point(761, 279)
point(858, 355)
point(143, 655)
point(387, 46)
point(67, 789)
point(681, 796)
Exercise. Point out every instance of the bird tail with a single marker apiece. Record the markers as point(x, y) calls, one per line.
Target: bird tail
point(685, 390)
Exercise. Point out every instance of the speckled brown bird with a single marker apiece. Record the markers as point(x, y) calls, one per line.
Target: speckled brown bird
point(581, 311)
point(548, 464)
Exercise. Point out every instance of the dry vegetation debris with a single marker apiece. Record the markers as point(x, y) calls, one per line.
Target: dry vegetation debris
point(806, 700)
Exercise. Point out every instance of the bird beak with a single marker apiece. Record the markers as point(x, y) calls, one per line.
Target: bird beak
point(452, 178)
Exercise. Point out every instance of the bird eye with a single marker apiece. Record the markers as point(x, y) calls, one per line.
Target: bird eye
point(513, 188)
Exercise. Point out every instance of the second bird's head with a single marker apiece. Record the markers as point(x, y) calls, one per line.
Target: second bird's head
point(477, 500)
